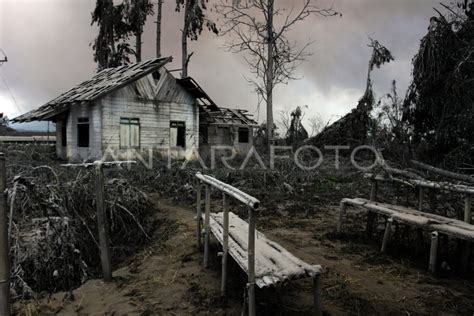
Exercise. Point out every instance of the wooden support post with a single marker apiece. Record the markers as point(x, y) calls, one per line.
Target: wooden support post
point(342, 213)
point(4, 250)
point(102, 224)
point(407, 193)
point(251, 263)
point(420, 199)
point(386, 235)
point(225, 243)
point(373, 191)
point(317, 308)
point(433, 251)
point(465, 244)
point(199, 216)
point(207, 226)
point(371, 216)
point(467, 209)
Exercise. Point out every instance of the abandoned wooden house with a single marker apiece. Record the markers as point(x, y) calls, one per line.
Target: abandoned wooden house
point(140, 106)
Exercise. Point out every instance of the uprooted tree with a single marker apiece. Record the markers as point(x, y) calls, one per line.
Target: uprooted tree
point(440, 101)
point(255, 31)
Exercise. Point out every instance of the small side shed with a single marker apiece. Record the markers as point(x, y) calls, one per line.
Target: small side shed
point(226, 127)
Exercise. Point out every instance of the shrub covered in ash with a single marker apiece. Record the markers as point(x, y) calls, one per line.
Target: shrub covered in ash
point(54, 234)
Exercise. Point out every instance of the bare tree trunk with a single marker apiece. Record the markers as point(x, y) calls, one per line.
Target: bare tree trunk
point(138, 46)
point(158, 28)
point(184, 41)
point(269, 83)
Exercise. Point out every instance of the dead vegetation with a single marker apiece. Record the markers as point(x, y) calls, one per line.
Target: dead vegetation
point(54, 243)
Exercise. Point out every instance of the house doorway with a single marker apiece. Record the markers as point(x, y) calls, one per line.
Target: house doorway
point(177, 134)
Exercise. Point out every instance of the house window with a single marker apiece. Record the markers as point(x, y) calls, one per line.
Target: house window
point(177, 134)
point(129, 132)
point(83, 132)
point(244, 135)
point(64, 133)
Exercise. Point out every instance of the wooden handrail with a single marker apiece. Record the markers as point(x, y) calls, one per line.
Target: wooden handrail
point(442, 172)
point(230, 190)
point(443, 186)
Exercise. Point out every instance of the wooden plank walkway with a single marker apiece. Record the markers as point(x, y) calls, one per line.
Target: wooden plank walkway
point(273, 263)
point(427, 221)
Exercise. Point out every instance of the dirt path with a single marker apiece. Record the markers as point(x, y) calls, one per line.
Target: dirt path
point(166, 278)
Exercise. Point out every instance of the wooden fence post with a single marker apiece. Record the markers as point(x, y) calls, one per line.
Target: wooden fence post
point(251, 263)
point(4, 249)
point(466, 244)
point(342, 212)
point(207, 226)
point(102, 224)
point(433, 251)
point(317, 309)
point(198, 215)
point(467, 209)
point(420, 199)
point(371, 216)
point(225, 242)
point(386, 235)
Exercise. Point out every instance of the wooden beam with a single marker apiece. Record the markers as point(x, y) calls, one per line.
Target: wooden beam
point(102, 223)
point(4, 249)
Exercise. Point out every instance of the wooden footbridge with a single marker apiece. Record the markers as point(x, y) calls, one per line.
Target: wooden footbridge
point(418, 218)
point(265, 262)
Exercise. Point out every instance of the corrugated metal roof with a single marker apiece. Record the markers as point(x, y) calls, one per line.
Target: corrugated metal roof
point(104, 82)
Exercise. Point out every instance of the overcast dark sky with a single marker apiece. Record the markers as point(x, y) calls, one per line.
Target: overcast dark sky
point(47, 44)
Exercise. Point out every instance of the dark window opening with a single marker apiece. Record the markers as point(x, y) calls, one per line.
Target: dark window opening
point(203, 133)
point(83, 132)
point(156, 75)
point(244, 135)
point(178, 134)
point(64, 134)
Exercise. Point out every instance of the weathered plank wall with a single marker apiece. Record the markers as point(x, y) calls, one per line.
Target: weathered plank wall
point(226, 136)
point(155, 103)
point(73, 152)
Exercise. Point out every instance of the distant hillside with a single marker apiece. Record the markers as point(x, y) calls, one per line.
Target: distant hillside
point(8, 131)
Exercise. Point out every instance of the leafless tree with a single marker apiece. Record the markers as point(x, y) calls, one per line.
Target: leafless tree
point(284, 121)
point(316, 125)
point(272, 58)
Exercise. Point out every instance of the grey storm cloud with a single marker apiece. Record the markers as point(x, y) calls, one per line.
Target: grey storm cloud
point(48, 47)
